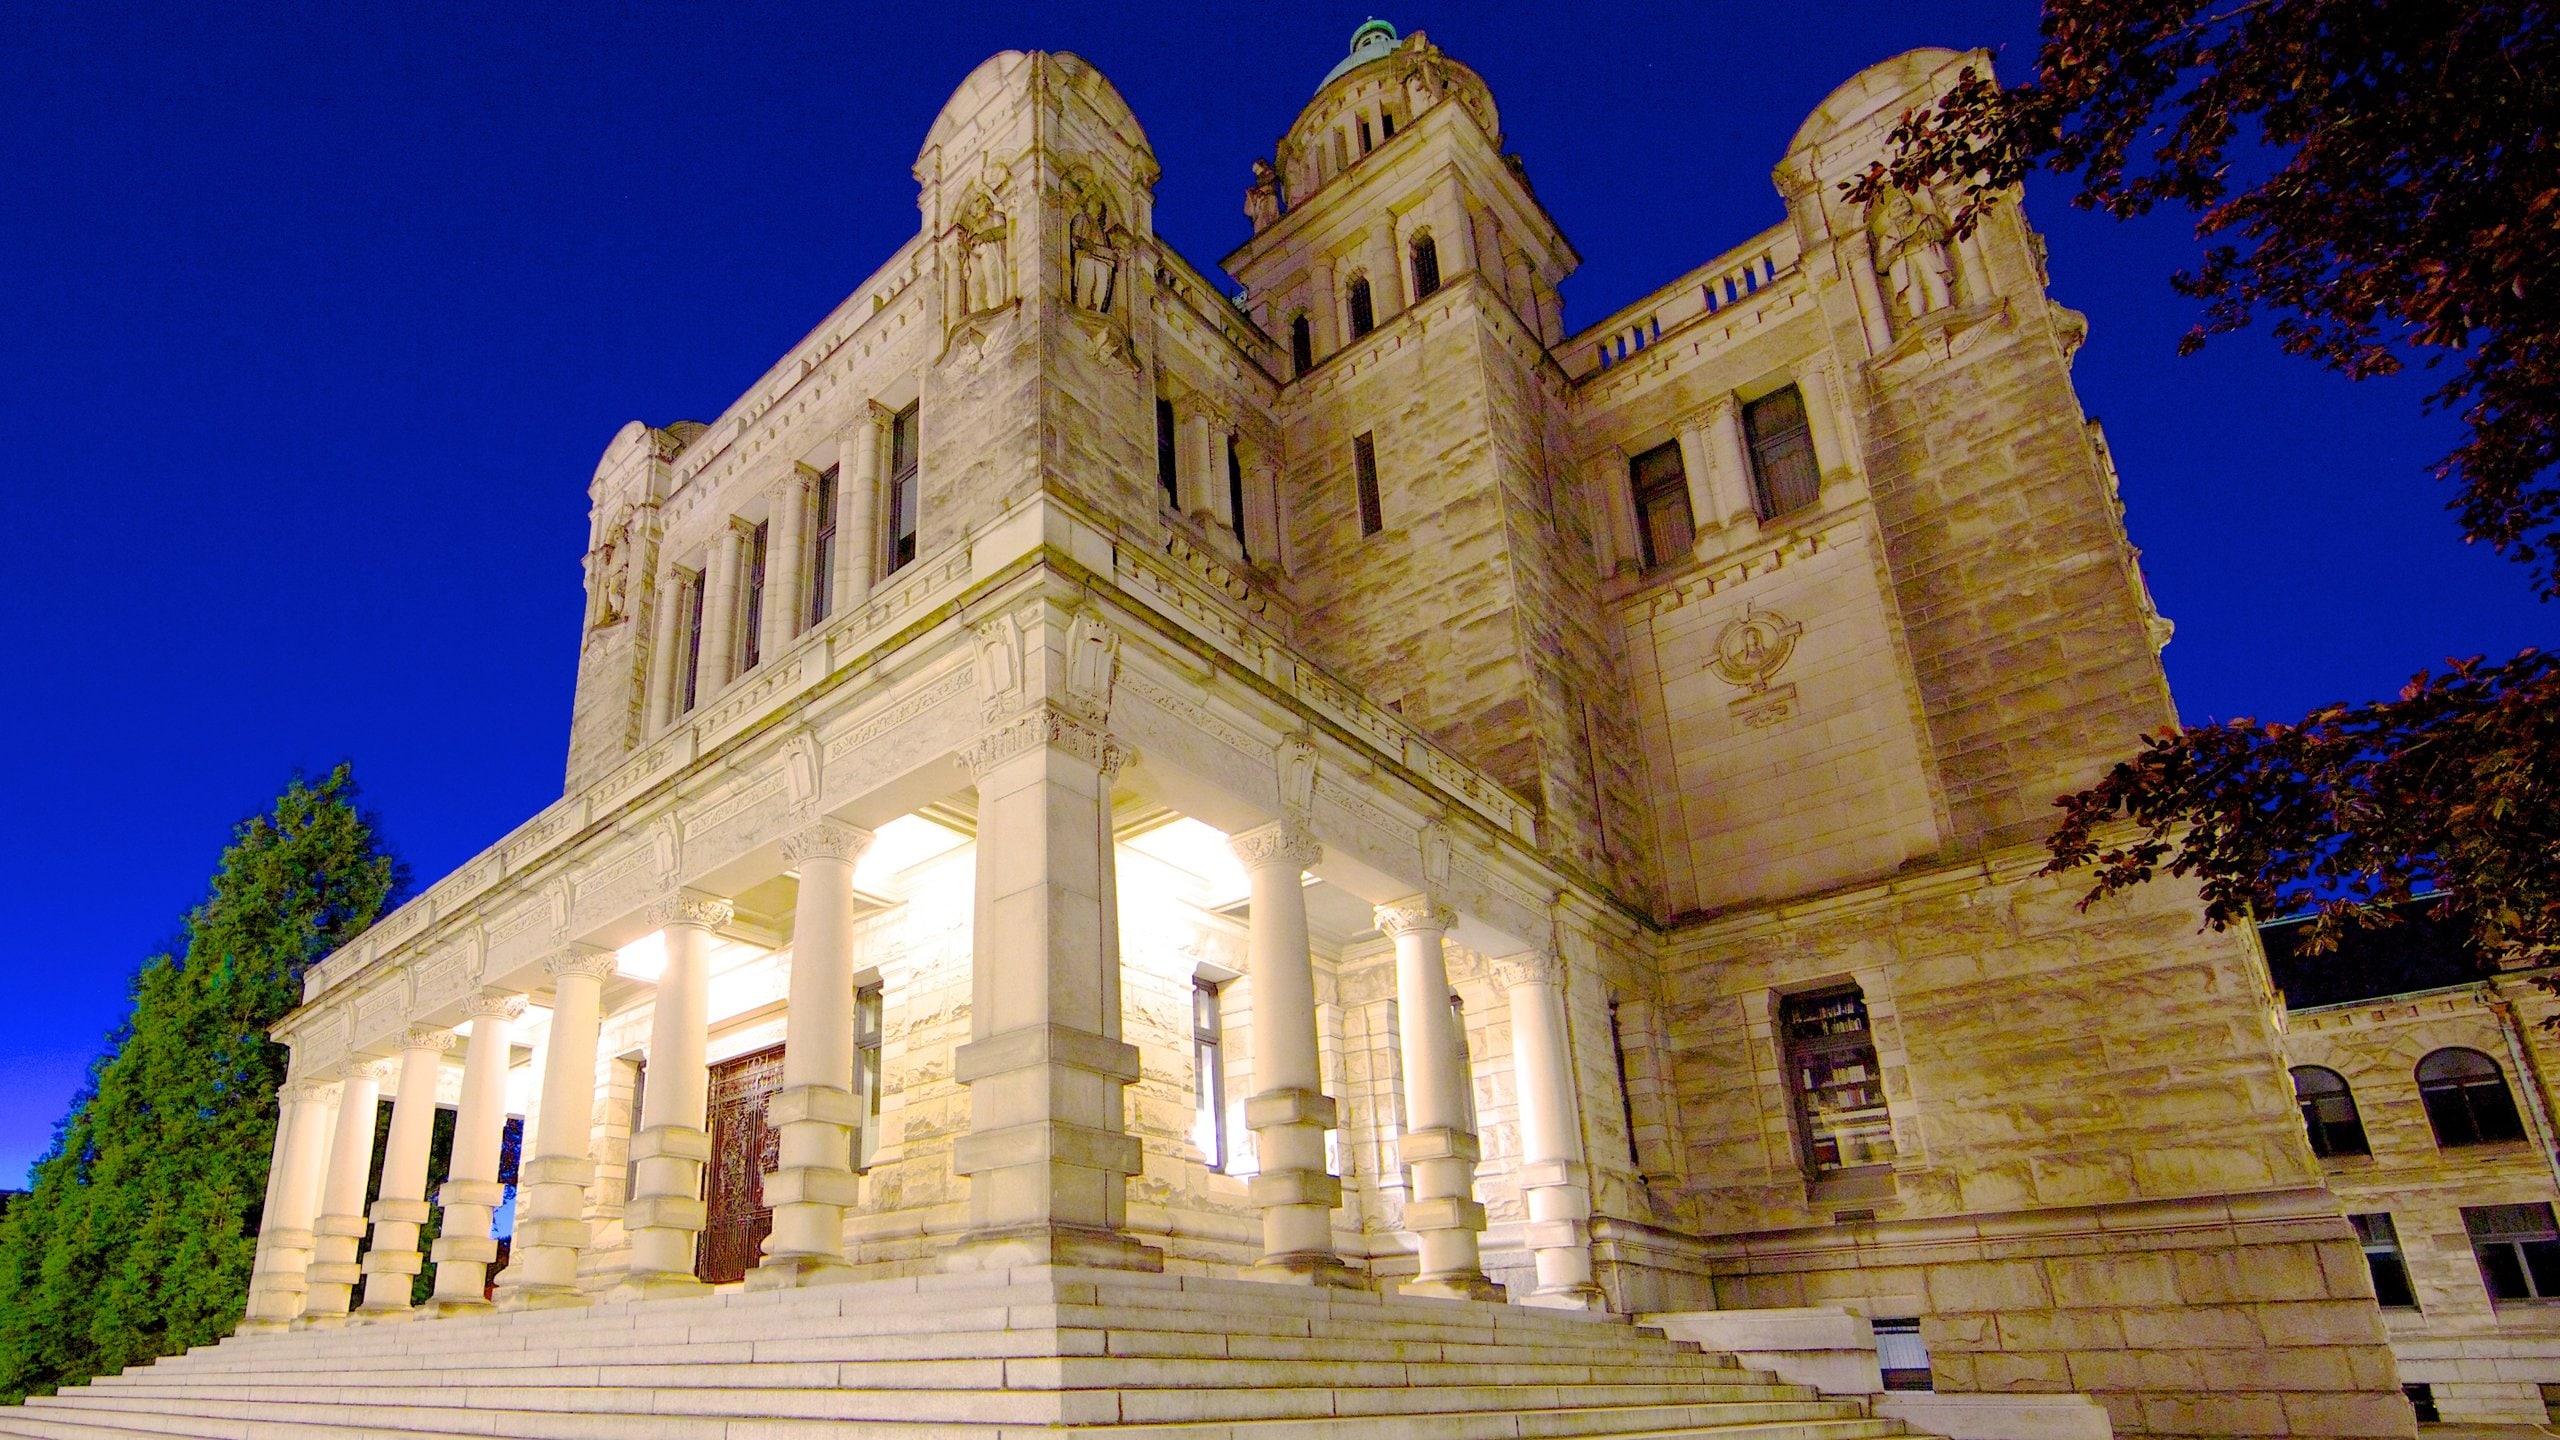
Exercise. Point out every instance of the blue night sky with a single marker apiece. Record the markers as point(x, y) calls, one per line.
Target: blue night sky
point(320, 316)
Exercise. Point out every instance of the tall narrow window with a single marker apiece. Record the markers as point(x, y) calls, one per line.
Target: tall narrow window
point(822, 552)
point(1626, 1089)
point(1302, 345)
point(1664, 525)
point(1168, 465)
point(2381, 1242)
point(1466, 1076)
point(1364, 318)
point(2467, 1100)
point(1839, 1089)
point(1426, 266)
point(1364, 470)
point(1367, 143)
point(639, 1089)
point(1785, 477)
point(1386, 125)
point(866, 1072)
point(2328, 1111)
point(759, 551)
point(901, 529)
point(1208, 1076)
point(1235, 498)
point(2518, 1250)
point(689, 644)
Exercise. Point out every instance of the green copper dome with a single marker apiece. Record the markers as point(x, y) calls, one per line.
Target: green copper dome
point(1374, 40)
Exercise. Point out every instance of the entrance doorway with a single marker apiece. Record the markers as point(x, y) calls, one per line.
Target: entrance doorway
point(743, 1147)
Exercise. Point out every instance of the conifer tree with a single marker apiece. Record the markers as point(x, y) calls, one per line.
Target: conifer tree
point(137, 1239)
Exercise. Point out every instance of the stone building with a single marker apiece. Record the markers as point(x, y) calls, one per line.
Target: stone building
point(1086, 789)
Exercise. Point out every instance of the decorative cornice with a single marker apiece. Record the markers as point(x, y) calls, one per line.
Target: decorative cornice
point(1046, 724)
point(365, 1069)
point(688, 907)
point(1418, 915)
point(592, 960)
point(493, 1004)
point(1532, 967)
point(426, 1037)
point(1277, 844)
point(825, 840)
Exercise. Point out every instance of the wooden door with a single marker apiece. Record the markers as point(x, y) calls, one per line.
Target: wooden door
point(743, 1147)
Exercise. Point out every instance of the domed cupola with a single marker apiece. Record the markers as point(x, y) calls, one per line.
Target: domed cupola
point(1369, 97)
point(1374, 40)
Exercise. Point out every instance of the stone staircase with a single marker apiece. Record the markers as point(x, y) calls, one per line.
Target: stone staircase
point(996, 1356)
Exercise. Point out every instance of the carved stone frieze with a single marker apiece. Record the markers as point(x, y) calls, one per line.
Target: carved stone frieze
point(1046, 724)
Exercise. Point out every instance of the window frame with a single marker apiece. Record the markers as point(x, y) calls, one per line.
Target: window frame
point(822, 549)
point(691, 590)
point(1649, 492)
point(869, 1029)
point(1235, 500)
point(758, 561)
point(1364, 475)
point(2384, 1260)
point(1209, 1072)
point(2446, 1096)
point(1168, 454)
point(1773, 450)
point(1844, 1041)
point(2531, 1248)
point(902, 518)
point(2332, 1136)
point(1302, 344)
point(1362, 304)
point(1423, 256)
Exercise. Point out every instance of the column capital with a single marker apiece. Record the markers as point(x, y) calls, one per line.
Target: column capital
point(426, 1037)
point(825, 840)
point(691, 907)
point(493, 1003)
point(1419, 915)
point(1046, 723)
point(1279, 843)
point(364, 1069)
point(1529, 967)
point(307, 1091)
point(591, 960)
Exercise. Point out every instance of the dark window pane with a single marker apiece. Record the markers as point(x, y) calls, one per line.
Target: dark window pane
point(903, 496)
point(1665, 525)
point(2493, 1111)
point(2390, 1279)
point(1784, 475)
point(693, 588)
point(1426, 267)
point(1364, 465)
point(1363, 318)
point(1235, 499)
point(1302, 345)
point(2502, 1270)
point(2542, 1266)
point(822, 552)
point(759, 550)
point(1167, 465)
point(2449, 1116)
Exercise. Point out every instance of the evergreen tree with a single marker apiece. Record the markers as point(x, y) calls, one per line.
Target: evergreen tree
point(137, 1239)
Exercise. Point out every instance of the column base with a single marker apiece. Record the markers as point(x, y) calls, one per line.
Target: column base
point(658, 1286)
point(1060, 1245)
point(440, 1308)
point(1568, 1297)
point(799, 1272)
point(262, 1327)
point(1320, 1268)
point(1455, 1287)
point(512, 1298)
point(386, 1315)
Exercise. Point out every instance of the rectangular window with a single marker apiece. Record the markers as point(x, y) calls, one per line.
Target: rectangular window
point(901, 529)
point(639, 1088)
point(1664, 525)
point(2382, 1256)
point(1168, 456)
point(866, 1072)
point(1364, 313)
point(1839, 1088)
point(689, 644)
point(1364, 468)
point(759, 550)
point(1626, 1089)
point(2518, 1250)
point(2422, 1399)
point(1902, 1355)
point(822, 552)
point(1785, 477)
point(1235, 498)
point(1466, 1062)
point(1208, 1077)
point(1366, 143)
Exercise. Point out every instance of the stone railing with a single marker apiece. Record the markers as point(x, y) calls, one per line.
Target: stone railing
point(1731, 279)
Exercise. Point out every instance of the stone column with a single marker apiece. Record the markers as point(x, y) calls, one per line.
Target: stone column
point(1048, 1154)
point(665, 665)
point(666, 1213)
point(1729, 463)
point(784, 594)
point(340, 1228)
point(857, 490)
point(392, 1262)
point(1554, 1182)
point(1442, 1211)
point(1288, 1111)
point(816, 1109)
point(280, 1276)
point(1204, 480)
point(720, 610)
point(471, 1193)
point(555, 1175)
point(1874, 314)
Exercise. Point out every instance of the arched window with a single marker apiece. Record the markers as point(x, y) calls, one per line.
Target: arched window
point(2328, 1111)
point(2467, 1099)
point(1426, 266)
point(1364, 317)
point(1302, 344)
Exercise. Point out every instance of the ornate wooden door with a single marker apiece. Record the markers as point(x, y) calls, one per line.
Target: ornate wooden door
point(743, 1147)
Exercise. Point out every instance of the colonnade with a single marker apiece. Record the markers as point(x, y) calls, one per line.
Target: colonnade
point(1048, 1152)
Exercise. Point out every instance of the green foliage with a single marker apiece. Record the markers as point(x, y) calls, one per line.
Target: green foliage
point(137, 1239)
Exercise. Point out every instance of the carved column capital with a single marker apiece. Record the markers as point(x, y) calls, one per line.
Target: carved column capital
point(691, 907)
point(1418, 915)
point(365, 1069)
point(590, 960)
point(1279, 843)
point(1530, 967)
point(493, 1003)
point(826, 840)
point(426, 1037)
point(307, 1091)
point(1046, 724)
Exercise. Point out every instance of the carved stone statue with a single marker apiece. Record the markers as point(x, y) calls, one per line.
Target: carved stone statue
point(1093, 264)
point(1911, 255)
point(1262, 202)
point(612, 572)
point(986, 275)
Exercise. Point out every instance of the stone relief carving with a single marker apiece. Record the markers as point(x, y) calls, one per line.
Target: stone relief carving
point(800, 762)
point(1750, 651)
point(986, 266)
point(1295, 764)
point(609, 572)
point(1093, 259)
point(1910, 243)
point(1000, 667)
point(1262, 201)
point(1093, 663)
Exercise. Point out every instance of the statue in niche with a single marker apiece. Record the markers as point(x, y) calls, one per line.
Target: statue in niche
point(1262, 202)
point(612, 571)
point(1911, 255)
point(1093, 265)
point(986, 277)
